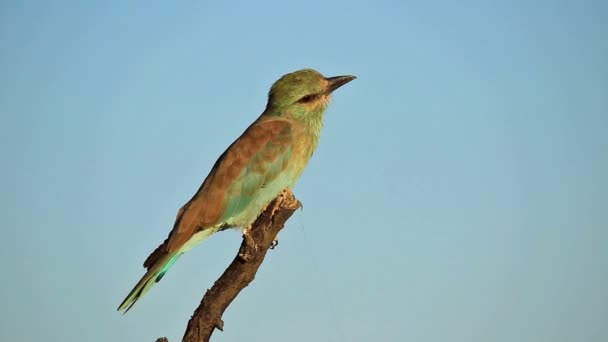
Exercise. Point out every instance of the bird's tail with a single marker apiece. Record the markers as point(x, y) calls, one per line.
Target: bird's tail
point(154, 275)
point(159, 266)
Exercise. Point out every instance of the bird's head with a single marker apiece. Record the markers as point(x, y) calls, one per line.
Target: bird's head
point(303, 91)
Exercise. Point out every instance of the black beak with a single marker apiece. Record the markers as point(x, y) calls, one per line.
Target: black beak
point(338, 81)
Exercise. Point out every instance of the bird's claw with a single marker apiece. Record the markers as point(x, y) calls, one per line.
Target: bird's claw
point(274, 244)
point(251, 247)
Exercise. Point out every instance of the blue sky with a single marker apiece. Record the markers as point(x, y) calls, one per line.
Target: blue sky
point(458, 193)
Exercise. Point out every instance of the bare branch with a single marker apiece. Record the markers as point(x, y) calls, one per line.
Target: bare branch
point(256, 242)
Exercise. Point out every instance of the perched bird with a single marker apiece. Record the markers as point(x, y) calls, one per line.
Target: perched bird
point(266, 159)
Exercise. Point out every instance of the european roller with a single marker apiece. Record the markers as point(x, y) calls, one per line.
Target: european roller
point(266, 159)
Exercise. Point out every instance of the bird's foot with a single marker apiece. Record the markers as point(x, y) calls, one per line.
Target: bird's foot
point(275, 242)
point(251, 247)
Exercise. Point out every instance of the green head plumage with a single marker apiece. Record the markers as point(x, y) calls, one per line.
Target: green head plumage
point(303, 91)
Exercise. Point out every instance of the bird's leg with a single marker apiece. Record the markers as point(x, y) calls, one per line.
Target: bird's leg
point(275, 242)
point(250, 245)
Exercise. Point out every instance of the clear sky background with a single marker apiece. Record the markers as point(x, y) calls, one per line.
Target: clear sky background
point(459, 192)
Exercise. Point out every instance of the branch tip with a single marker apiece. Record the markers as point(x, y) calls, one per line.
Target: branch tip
point(219, 324)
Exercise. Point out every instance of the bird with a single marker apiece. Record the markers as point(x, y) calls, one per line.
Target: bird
point(268, 158)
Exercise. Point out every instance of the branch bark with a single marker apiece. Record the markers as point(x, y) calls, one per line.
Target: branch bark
point(256, 242)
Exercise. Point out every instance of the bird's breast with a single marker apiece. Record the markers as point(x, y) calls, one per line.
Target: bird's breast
point(302, 148)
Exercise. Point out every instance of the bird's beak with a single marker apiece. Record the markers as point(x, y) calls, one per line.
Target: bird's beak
point(338, 81)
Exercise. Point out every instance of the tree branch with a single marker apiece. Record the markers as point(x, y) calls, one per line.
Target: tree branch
point(256, 242)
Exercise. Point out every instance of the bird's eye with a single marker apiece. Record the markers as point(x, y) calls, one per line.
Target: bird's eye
point(308, 98)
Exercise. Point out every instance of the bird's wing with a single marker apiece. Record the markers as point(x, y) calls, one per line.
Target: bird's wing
point(256, 158)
